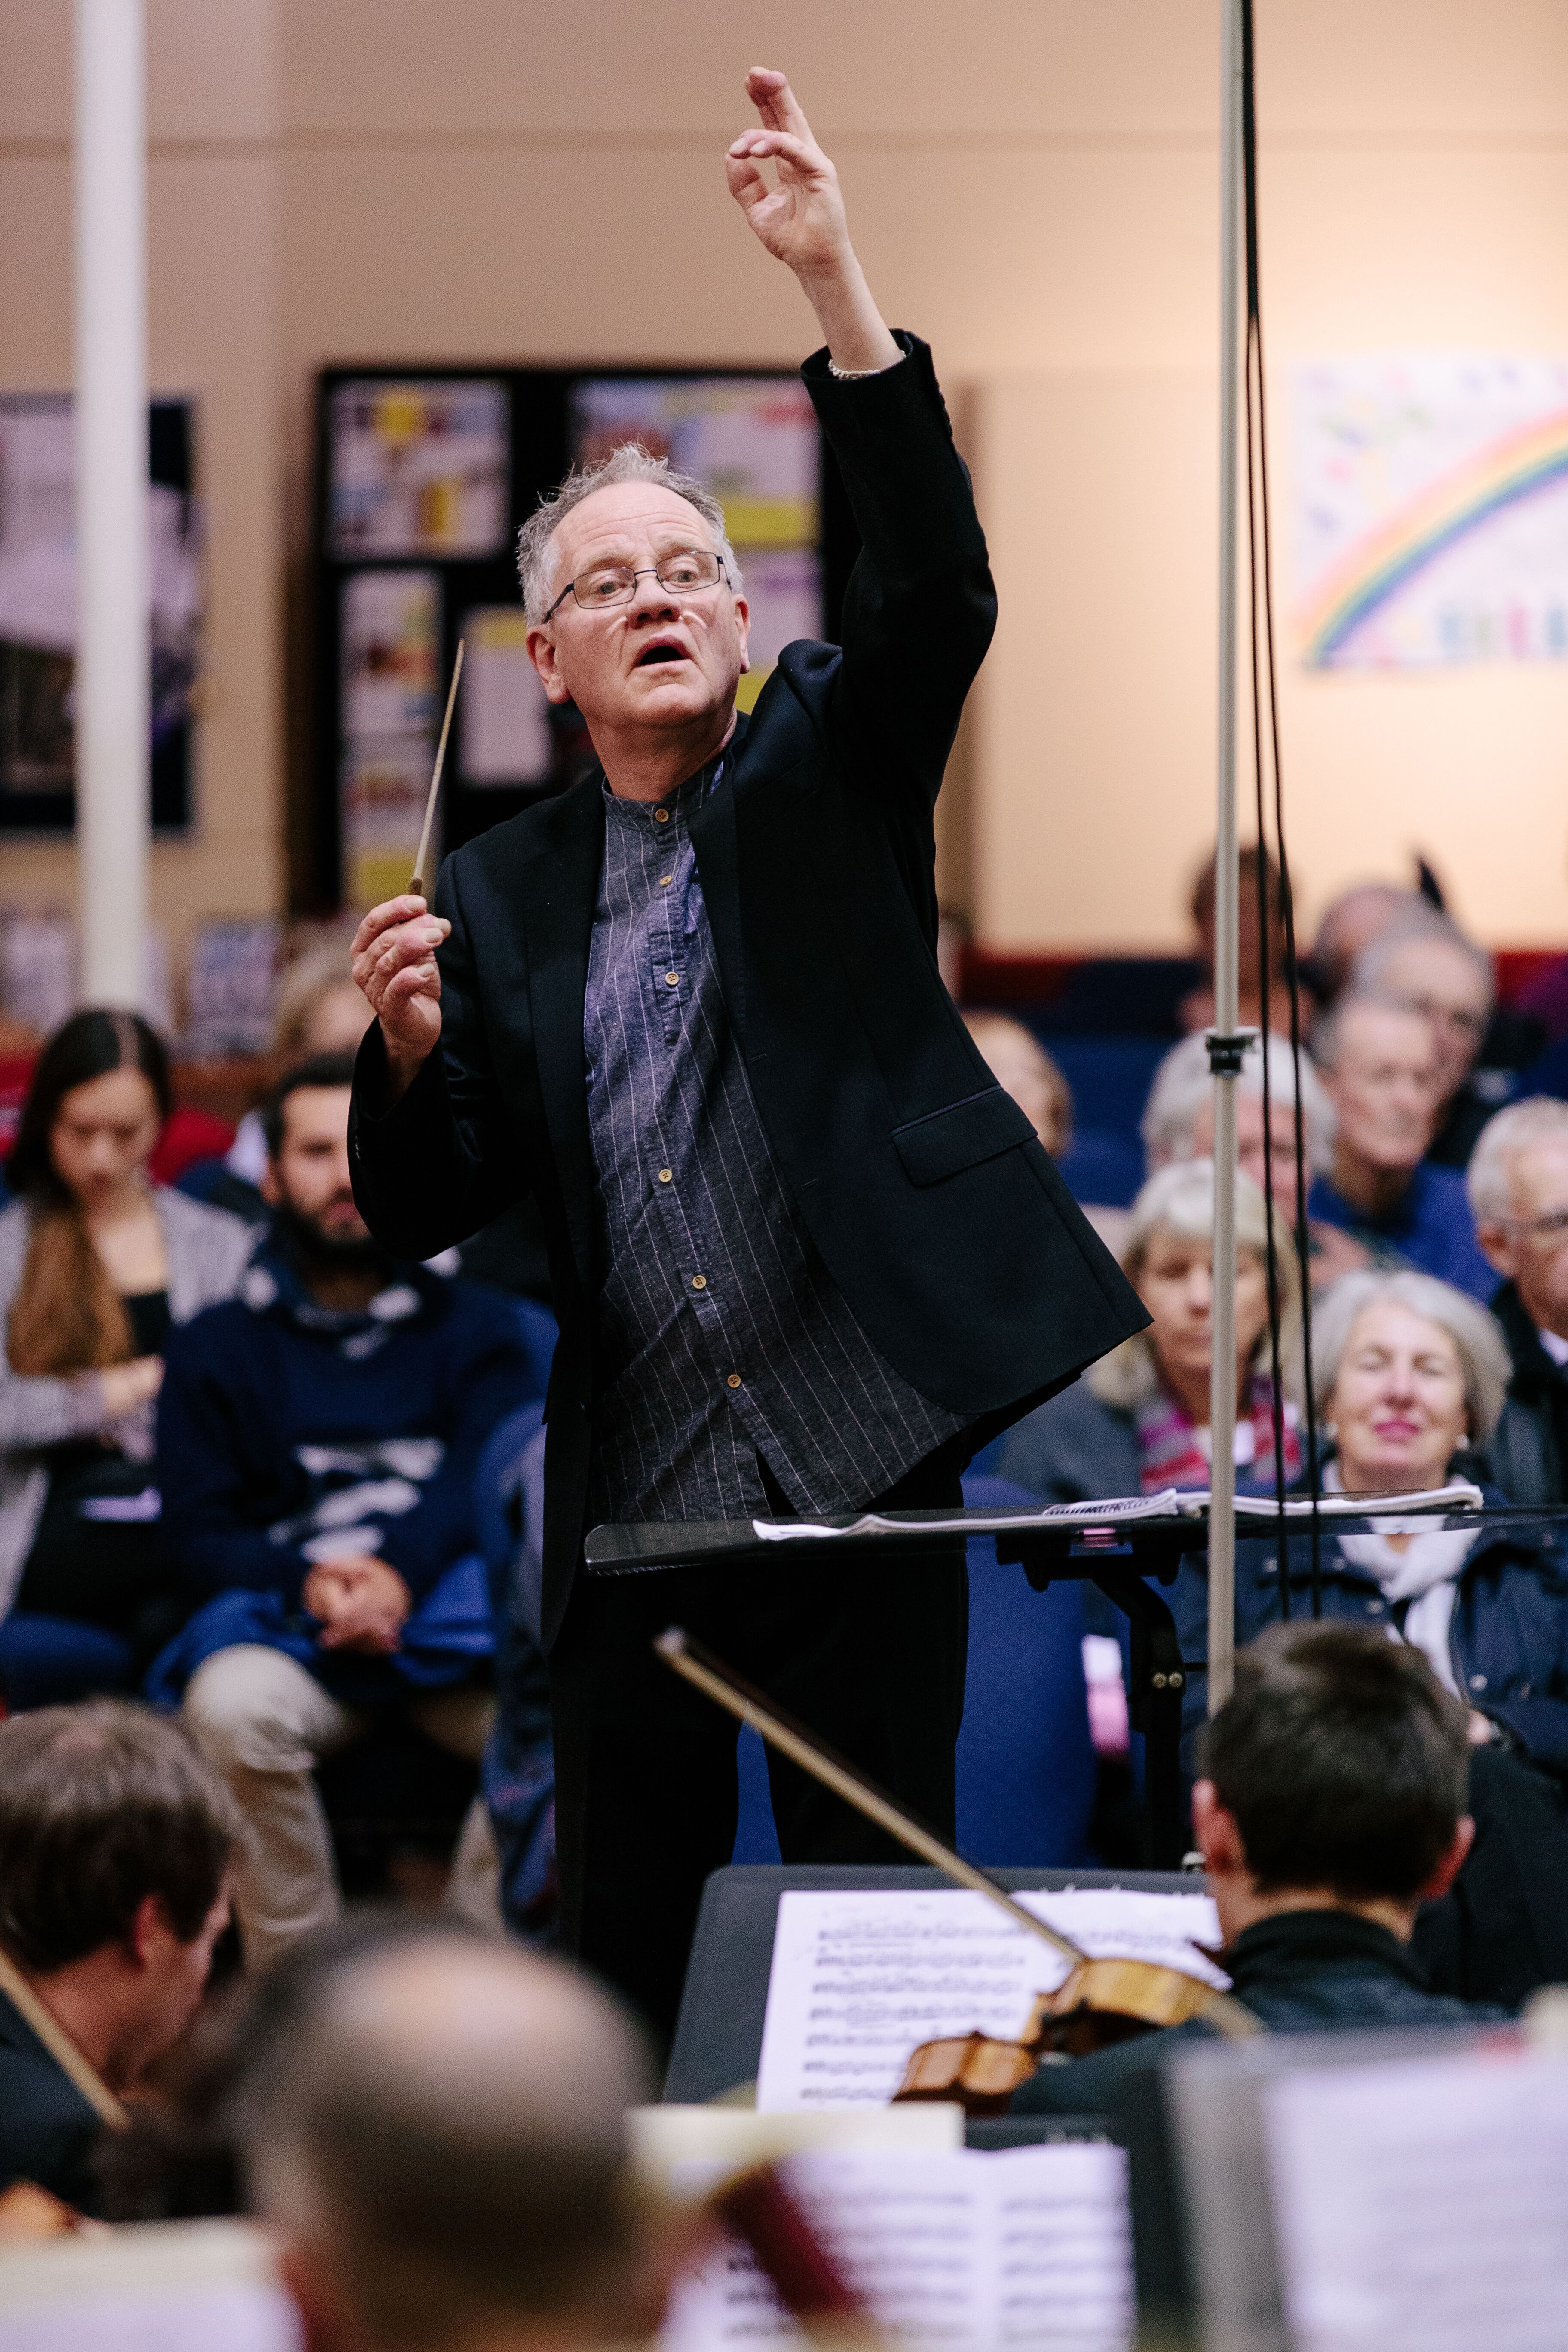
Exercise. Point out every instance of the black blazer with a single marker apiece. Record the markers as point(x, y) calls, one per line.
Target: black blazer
point(937, 1213)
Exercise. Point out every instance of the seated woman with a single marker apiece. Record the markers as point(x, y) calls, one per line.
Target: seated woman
point(95, 1264)
point(1411, 1376)
point(1138, 1421)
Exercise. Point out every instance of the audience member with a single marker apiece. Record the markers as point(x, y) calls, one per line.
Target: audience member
point(1349, 923)
point(1332, 1805)
point(96, 1265)
point(1518, 1185)
point(318, 1442)
point(1380, 1067)
point(1178, 1124)
point(1411, 1376)
point(442, 2152)
point(1196, 1011)
point(1424, 961)
point(318, 1010)
point(1020, 1063)
point(116, 1841)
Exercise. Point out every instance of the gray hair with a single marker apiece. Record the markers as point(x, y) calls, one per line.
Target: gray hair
point(1369, 972)
point(1179, 1201)
point(1327, 1037)
point(1483, 1357)
point(1489, 1180)
point(1183, 1083)
point(628, 463)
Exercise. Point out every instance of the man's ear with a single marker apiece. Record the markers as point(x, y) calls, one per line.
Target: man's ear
point(1496, 1240)
point(542, 654)
point(743, 623)
point(150, 1930)
point(1219, 1839)
point(270, 1187)
point(1452, 1862)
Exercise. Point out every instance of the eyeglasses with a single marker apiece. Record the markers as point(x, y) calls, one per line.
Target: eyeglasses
point(604, 585)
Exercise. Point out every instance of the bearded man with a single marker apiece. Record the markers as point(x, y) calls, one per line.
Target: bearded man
point(807, 1253)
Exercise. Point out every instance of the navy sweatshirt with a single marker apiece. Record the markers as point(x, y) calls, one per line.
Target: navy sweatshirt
point(289, 1434)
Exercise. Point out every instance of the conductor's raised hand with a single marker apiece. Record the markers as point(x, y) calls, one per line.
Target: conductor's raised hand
point(800, 220)
point(395, 970)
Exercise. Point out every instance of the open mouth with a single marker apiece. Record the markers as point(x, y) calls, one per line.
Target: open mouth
point(662, 650)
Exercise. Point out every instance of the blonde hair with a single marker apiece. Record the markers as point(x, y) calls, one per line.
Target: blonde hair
point(1179, 1201)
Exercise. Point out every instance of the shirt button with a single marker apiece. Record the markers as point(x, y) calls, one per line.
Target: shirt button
point(667, 1175)
point(672, 980)
point(661, 816)
point(665, 880)
point(700, 1282)
point(735, 1381)
point(1374, 1608)
point(1478, 1682)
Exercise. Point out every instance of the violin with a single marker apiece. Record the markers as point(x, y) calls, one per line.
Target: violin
point(1100, 2001)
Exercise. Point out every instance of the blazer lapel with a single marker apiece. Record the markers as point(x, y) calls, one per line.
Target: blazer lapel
point(718, 868)
point(560, 891)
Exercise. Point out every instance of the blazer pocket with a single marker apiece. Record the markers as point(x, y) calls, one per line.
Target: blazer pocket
point(979, 1128)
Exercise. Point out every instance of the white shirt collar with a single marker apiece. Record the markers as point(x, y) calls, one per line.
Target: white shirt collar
point(1555, 1347)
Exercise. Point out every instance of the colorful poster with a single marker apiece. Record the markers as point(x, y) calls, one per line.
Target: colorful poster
point(752, 440)
point(1431, 503)
point(391, 622)
point(503, 717)
point(783, 587)
point(384, 792)
point(419, 468)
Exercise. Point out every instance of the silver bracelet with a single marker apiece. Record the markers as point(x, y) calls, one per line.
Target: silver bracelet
point(858, 375)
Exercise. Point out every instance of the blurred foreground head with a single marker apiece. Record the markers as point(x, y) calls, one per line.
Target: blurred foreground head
point(442, 2148)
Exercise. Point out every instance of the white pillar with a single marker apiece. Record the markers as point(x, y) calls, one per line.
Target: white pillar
point(112, 716)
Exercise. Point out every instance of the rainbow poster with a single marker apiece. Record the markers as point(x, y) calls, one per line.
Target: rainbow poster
point(1431, 510)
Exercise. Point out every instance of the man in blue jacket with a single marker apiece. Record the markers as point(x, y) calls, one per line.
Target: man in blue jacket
point(318, 1440)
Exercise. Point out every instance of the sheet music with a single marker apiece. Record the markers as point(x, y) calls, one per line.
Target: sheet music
point(160, 2287)
point(1162, 1506)
point(1422, 2206)
point(859, 1977)
point(1027, 2247)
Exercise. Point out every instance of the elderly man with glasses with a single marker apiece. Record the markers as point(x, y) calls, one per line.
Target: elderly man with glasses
point(807, 1253)
point(1518, 1184)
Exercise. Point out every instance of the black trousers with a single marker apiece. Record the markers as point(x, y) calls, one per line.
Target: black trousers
point(868, 1655)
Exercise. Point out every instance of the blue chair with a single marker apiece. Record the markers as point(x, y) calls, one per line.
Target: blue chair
point(1026, 1767)
point(56, 1661)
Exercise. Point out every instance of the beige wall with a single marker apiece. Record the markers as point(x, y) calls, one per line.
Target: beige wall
point(1034, 186)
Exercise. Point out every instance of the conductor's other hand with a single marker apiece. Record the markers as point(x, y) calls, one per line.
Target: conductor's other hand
point(801, 221)
point(395, 968)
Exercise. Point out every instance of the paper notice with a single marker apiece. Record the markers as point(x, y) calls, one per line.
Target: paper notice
point(859, 1978)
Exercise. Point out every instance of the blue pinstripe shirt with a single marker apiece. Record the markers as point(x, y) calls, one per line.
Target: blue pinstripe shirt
point(720, 1333)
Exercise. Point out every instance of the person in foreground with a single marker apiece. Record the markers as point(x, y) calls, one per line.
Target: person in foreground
point(693, 1004)
point(442, 2153)
point(1331, 1805)
point(116, 1845)
point(318, 1442)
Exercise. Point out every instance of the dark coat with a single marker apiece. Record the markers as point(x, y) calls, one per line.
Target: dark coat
point(1508, 1637)
point(47, 2130)
point(1301, 1972)
point(1527, 1454)
point(921, 1183)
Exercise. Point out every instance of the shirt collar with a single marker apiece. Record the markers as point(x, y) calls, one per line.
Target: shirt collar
point(1298, 1942)
point(678, 807)
point(1557, 1348)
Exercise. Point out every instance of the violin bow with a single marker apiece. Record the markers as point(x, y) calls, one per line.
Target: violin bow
point(709, 1675)
point(416, 886)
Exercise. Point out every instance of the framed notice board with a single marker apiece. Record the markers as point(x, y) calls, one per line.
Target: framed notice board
point(423, 476)
point(38, 611)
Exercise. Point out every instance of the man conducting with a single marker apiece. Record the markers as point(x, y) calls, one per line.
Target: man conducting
point(807, 1253)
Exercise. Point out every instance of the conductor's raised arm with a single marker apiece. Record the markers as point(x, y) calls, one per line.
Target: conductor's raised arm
point(920, 607)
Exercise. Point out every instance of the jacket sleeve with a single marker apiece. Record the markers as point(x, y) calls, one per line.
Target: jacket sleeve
point(919, 607)
point(486, 1376)
point(210, 1476)
point(442, 1162)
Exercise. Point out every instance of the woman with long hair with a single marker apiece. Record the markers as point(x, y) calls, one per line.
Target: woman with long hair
point(96, 1263)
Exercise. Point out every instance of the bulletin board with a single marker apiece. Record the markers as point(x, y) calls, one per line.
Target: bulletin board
point(424, 477)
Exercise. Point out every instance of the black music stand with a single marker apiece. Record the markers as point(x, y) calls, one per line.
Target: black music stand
point(1117, 1559)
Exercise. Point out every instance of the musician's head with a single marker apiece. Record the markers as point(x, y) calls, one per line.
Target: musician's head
point(1334, 1778)
point(633, 600)
point(442, 2146)
point(116, 1845)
